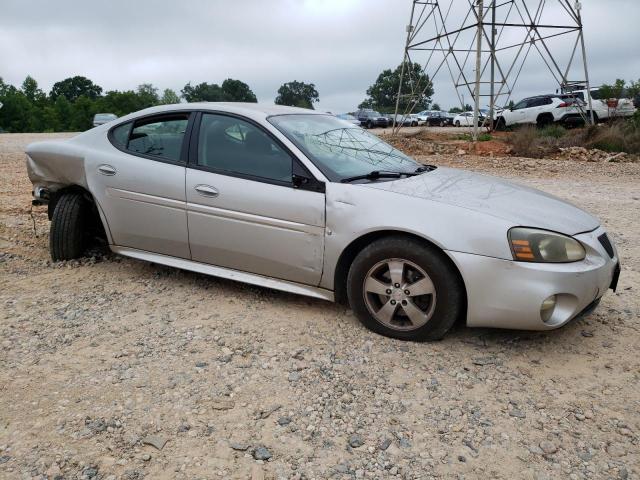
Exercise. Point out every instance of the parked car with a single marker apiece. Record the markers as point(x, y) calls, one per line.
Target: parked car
point(370, 119)
point(304, 202)
point(543, 110)
point(441, 119)
point(423, 116)
point(465, 119)
point(623, 107)
point(349, 118)
point(102, 118)
point(403, 120)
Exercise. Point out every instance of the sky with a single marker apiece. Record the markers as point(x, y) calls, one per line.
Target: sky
point(339, 45)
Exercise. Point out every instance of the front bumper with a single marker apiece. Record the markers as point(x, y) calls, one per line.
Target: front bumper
point(508, 294)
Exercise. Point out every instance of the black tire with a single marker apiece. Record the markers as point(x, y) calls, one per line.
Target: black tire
point(501, 124)
point(369, 124)
point(67, 236)
point(442, 124)
point(457, 123)
point(544, 120)
point(450, 293)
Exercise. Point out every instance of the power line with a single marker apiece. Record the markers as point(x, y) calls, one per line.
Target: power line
point(500, 35)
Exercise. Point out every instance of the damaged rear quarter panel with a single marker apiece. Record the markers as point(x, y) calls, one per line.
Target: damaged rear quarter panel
point(56, 164)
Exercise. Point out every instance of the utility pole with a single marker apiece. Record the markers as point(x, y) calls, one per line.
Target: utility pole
point(492, 100)
point(476, 110)
point(446, 44)
point(404, 61)
point(578, 7)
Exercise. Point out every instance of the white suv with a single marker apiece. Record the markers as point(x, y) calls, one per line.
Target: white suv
point(602, 111)
point(542, 110)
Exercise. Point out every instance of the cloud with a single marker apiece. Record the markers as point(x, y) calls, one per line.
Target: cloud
point(339, 45)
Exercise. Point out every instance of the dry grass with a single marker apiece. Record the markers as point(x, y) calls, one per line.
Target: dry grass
point(620, 136)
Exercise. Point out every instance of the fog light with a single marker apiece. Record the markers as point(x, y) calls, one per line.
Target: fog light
point(547, 307)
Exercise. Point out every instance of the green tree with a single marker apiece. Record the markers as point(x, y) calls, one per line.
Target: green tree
point(31, 90)
point(455, 110)
point(203, 92)
point(436, 106)
point(169, 97)
point(617, 90)
point(237, 91)
point(120, 103)
point(73, 87)
point(82, 112)
point(16, 112)
point(148, 95)
point(367, 103)
point(62, 108)
point(383, 93)
point(297, 94)
point(633, 89)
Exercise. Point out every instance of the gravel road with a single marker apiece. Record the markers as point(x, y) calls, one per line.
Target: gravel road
point(117, 369)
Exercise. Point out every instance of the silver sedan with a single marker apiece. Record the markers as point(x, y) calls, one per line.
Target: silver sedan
point(304, 202)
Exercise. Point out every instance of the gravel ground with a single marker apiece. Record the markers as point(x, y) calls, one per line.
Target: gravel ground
point(119, 369)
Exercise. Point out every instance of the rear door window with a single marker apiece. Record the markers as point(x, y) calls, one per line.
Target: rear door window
point(159, 137)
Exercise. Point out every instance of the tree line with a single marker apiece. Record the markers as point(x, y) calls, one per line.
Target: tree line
point(72, 102)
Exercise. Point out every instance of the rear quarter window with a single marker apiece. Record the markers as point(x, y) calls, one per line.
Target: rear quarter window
point(120, 134)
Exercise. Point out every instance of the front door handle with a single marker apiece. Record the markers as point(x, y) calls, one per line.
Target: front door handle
point(106, 170)
point(206, 190)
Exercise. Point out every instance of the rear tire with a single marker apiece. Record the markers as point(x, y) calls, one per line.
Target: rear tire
point(544, 120)
point(67, 236)
point(370, 279)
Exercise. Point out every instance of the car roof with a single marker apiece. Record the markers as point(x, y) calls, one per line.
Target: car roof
point(256, 111)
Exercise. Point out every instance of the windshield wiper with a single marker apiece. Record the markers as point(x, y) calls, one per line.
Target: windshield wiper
point(375, 174)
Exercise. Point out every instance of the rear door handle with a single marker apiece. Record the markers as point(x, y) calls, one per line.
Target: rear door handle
point(206, 190)
point(107, 170)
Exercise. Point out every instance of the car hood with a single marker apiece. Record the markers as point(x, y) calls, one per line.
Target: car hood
point(493, 196)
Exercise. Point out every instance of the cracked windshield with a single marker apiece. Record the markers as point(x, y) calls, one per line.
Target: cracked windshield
point(340, 149)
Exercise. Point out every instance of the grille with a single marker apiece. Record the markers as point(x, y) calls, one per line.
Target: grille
point(606, 243)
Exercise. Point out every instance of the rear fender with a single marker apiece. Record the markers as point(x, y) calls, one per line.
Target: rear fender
point(55, 164)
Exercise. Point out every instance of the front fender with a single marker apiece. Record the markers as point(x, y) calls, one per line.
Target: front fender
point(353, 212)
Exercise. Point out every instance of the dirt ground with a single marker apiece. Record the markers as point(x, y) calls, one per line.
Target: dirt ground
point(102, 357)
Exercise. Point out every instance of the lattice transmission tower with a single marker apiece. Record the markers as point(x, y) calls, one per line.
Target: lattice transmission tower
point(484, 46)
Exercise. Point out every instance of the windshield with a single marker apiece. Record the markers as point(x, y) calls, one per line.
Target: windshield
point(340, 149)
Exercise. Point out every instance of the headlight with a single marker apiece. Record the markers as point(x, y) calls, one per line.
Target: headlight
point(532, 245)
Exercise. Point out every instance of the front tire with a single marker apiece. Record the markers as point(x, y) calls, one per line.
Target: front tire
point(67, 236)
point(405, 289)
point(457, 123)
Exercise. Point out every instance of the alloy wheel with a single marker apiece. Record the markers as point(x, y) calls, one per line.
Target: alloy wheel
point(399, 294)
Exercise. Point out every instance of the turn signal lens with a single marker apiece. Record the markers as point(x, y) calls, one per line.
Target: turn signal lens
point(533, 245)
